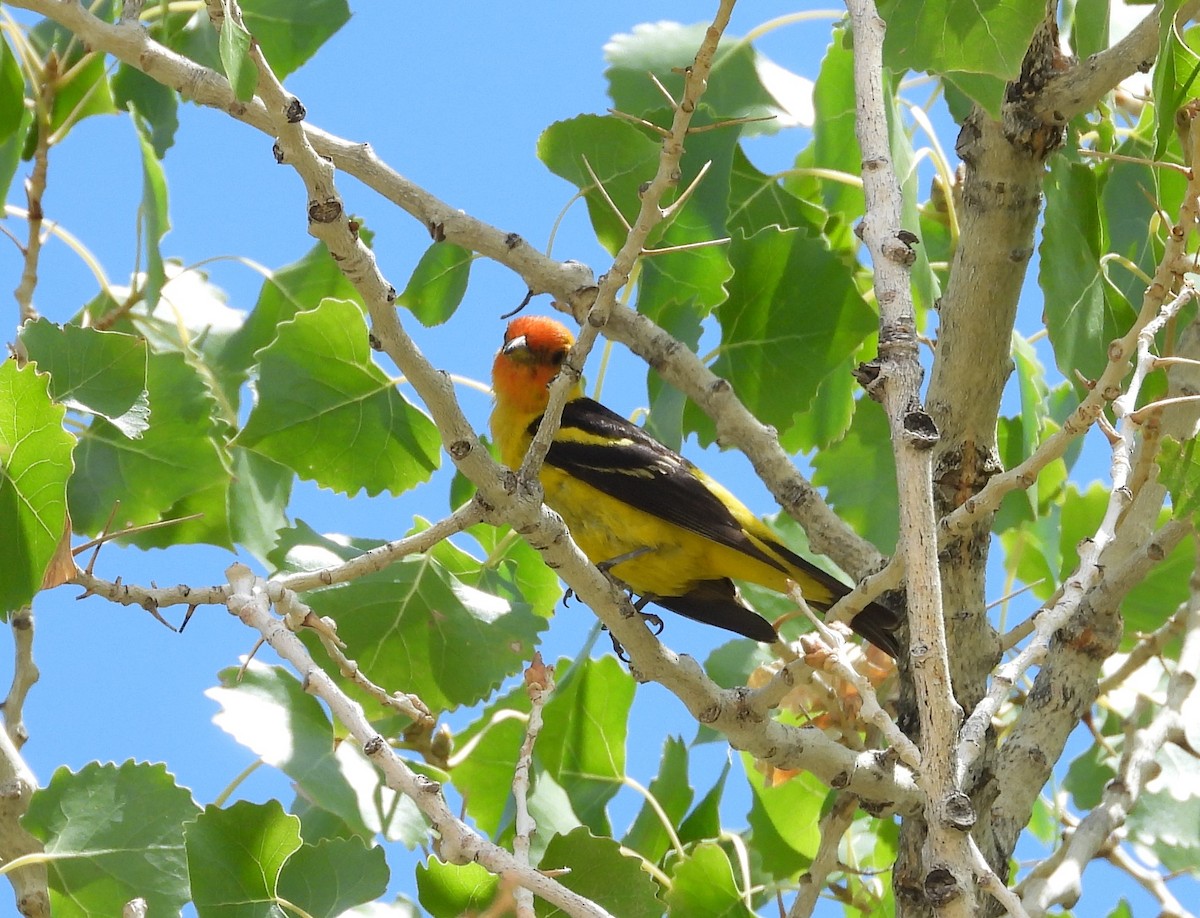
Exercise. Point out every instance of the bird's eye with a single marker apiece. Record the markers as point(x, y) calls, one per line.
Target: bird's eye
point(558, 357)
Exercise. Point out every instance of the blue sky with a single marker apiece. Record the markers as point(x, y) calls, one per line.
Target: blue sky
point(454, 97)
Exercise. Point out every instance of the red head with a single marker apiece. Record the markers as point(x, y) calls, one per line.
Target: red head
point(533, 352)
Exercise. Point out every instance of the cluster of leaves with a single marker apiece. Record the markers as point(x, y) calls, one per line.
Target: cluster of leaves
point(140, 403)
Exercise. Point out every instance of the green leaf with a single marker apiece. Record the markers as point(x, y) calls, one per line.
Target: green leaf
point(12, 94)
point(1175, 73)
point(1088, 775)
point(1031, 384)
point(334, 875)
point(582, 744)
point(704, 821)
point(686, 267)
point(551, 809)
point(234, 46)
point(81, 83)
point(702, 884)
point(415, 623)
point(179, 457)
point(288, 290)
point(1083, 313)
point(859, 475)
point(152, 214)
point(927, 290)
point(265, 709)
point(511, 569)
point(757, 201)
point(939, 35)
point(258, 501)
point(329, 413)
point(1128, 210)
point(112, 833)
point(737, 84)
point(451, 891)
point(600, 872)
point(98, 372)
point(1148, 605)
point(671, 414)
point(785, 820)
point(834, 145)
point(780, 339)
point(484, 777)
point(983, 89)
point(621, 156)
point(1180, 472)
point(731, 663)
point(35, 465)
point(156, 103)
point(235, 857)
point(1166, 819)
point(1090, 27)
point(832, 414)
point(671, 790)
point(1123, 910)
point(11, 148)
point(872, 844)
point(291, 31)
point(438, 283)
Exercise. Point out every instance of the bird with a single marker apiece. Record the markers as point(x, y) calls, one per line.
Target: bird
point(637, 509)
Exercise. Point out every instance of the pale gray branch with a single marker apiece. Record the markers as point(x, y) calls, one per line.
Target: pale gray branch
point(458, 843)
point(898, 384)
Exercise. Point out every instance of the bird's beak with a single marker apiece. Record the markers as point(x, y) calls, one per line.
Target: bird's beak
point(516, 348)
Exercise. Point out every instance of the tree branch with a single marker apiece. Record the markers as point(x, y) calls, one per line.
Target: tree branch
point(948, 880)
point(1081, 86)
point(1063, 884)
point(459, 844)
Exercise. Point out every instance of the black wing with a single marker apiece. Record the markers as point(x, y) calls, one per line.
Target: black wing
point(620, 459)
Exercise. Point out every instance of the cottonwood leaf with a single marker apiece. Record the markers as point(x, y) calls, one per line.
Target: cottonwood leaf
point(415, 624)
point(329, 413)
point(98, 372)
point(235, 857)
point(179, 459)
point(780, 338)
point(939, 35)
point(35, 466)
point(582, 744)
point(621, 157)
point(334, 875)
point(673, 793)
point(601, 873)
point(112, 833)
point(702, 883)
point(452, 890)
point(438, 283)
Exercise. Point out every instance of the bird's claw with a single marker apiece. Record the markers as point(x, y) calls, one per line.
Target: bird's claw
point(655, 622)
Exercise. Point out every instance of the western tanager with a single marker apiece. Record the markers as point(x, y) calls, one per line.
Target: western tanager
point(662, 527)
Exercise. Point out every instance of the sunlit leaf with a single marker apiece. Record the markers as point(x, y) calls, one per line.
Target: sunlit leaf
point(329, 413)
point(600, 872)
point(35, 464)
point(99, 372)
point(438, 283)
point(703, 884)
point(235, 857)
point(582, 743)
point(113, 833)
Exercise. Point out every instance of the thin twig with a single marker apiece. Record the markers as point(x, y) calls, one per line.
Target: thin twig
point(834, 825)
point(539, 683)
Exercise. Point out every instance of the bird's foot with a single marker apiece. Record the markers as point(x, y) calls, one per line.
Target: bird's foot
point(654, 621)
